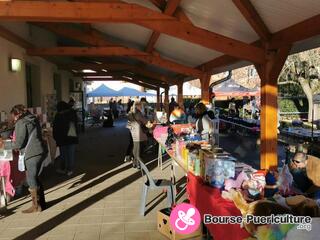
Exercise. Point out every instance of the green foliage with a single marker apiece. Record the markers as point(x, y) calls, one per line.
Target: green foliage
point(293, 105)
point(288, 90)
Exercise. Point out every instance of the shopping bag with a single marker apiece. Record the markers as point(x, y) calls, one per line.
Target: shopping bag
point(72, 132)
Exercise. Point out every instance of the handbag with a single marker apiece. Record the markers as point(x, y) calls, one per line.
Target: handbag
point(21, 163)
point(143, 127)
point(72, 132)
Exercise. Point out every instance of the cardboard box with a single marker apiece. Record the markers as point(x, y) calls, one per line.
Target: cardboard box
point(165, 228)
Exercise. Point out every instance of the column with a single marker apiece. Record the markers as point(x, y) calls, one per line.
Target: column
point(158, 99)
point(166, 100)
point(205, 82)
point(180, 95)
point(269, 73)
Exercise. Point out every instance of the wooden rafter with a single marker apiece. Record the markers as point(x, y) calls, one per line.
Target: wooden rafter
point(120, 74)
point(253, 18)
point(95, 38)
point(179, 14)
point(161, 4)
point(282, 38)
point(94, 66)
point(153, 87)
point(112, 51)
point(86, 12)
point(118, 67)
point(169, 10)
point(6, 34)
point(297, 32)
point(84, 51)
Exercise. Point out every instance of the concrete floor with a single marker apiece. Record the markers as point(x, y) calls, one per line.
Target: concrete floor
point(101, 200)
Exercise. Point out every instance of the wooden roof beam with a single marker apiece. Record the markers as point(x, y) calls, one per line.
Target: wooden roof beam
point(113, 51)
point(298, 32)
point(12, 37)
point(171, 7)
point(286, 37)
point(121, 74)
point(153, 87)
point(86, 12)
point(253, 18)
point(96, 38)
point(161, 4)
point(118, 67)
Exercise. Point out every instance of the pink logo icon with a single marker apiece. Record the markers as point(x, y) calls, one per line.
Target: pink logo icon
point(185, 218)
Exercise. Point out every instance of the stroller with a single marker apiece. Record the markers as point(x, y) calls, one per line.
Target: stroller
point(107, 118)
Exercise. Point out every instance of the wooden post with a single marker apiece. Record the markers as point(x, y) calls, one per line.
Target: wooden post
point(158, 99)
point(269, 73)
point(166, 100)
point(205, 82)
point(180, 95)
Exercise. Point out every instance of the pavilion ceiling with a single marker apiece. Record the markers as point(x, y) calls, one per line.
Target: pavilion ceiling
point(166, 41)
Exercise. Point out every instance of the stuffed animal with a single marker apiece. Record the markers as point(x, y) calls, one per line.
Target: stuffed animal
point(237, 183)
point(256, 208)
point(254, 187)
point(296, 205)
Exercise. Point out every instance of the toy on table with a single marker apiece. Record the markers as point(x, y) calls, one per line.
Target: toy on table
point(218, 168)
point(285, 181)
point(254, 187)
point(171, 137)
point(271, 186)
point(237, 183)
point(296, 205)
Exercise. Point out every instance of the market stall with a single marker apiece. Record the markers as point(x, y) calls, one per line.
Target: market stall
point(194, 167)
point(219, 185)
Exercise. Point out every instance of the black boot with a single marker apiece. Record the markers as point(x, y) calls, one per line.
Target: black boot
point(41, 197)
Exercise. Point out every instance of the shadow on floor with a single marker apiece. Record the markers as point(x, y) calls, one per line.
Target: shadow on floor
point(72, 211)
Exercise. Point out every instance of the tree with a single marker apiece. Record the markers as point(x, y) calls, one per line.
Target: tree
point(300, 76)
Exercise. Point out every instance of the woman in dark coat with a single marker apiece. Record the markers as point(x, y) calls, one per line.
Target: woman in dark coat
point(29, 141)
point(66, 136)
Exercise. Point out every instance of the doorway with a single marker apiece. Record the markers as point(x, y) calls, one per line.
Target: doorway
point(57, 86)
point(33, 85)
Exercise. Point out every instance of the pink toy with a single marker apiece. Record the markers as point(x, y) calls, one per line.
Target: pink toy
point(285, 181)
point(230, 183)
point(5, 171)
point(158, 131)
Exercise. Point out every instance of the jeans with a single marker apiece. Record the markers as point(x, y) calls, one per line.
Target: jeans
point(33, 166)
point(67, 157)
point(137, 150)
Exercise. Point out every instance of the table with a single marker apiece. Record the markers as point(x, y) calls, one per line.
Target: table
point(301, 133)
point(5, 177)
point(255, 129)
point(207, 200)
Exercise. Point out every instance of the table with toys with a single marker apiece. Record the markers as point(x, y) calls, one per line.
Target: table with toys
point(219, 185)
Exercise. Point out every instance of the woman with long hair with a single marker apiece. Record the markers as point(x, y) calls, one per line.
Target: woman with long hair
point(29, 142)
point(204, 124)
point(66, 136)
point(137, 126)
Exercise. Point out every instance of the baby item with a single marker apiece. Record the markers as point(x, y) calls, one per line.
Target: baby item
point(231, 183)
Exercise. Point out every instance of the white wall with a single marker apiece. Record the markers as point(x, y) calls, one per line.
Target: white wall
point(13, 85)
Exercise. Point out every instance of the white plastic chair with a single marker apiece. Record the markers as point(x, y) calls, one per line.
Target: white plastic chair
point(155, 184)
